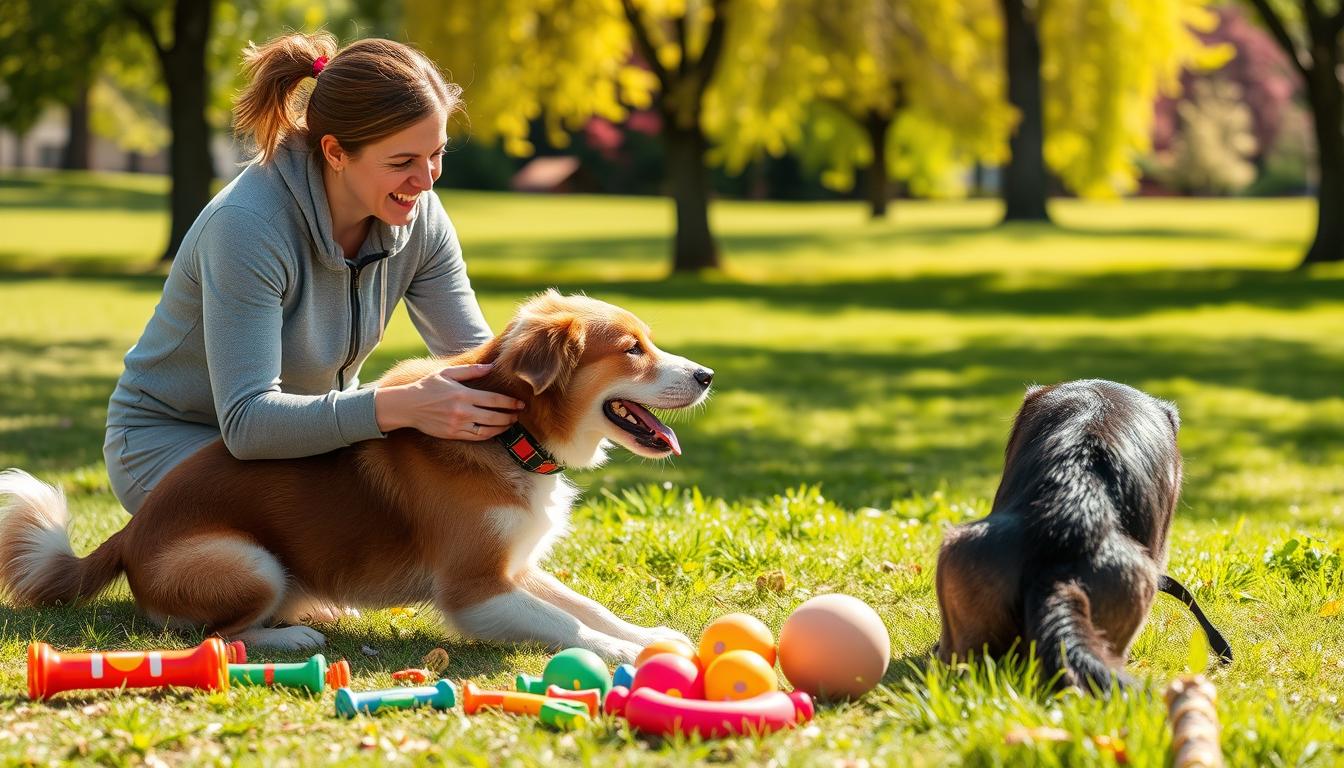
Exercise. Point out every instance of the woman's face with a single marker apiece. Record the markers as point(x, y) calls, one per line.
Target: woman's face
point(387, 176)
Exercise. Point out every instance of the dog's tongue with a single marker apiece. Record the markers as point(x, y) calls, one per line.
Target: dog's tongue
point(652, 422)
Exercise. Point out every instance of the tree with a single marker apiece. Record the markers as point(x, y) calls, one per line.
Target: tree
point(48, 55)
point(181, 56)
point(1083, 76)
point(1024, 181)
point(903, 88)
point(566, 61)
point(1311, 38)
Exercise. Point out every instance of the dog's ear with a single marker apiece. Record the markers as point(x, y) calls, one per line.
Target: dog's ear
point(543, 349)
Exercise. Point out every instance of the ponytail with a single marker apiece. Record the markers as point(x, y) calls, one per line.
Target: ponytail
point(273, 106)
point(367, 91)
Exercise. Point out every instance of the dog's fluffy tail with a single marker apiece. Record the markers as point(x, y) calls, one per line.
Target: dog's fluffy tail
point(1059, 620)
point(37, 566)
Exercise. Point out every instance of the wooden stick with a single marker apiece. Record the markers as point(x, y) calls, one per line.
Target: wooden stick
point(1194, 723)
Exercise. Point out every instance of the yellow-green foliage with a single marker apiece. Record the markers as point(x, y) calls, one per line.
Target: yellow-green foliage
point(817, 69)
point(1103, 64)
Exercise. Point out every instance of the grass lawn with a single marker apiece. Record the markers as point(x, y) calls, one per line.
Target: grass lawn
point(866, 375)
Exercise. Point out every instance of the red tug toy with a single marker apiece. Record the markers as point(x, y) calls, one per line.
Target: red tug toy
point(206, 667)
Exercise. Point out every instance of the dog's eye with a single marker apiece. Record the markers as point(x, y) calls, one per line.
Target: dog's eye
point(636, 349)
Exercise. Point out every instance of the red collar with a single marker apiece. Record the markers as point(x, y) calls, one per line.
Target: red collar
point(527, 451)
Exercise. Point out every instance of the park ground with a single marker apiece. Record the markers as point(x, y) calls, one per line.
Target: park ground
point(866, 377)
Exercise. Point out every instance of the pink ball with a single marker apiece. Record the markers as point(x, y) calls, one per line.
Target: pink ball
point(671, 674)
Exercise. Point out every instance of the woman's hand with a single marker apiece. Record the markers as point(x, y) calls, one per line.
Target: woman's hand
point(440, 406)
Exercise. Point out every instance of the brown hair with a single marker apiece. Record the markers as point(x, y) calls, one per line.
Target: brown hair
point(368, 90)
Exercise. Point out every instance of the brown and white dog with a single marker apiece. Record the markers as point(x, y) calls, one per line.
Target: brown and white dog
point(236, 546)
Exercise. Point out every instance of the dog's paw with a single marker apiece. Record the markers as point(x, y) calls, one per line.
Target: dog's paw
point(612, 649)
point(295, 638)
point(312, 611)
point(654, 634)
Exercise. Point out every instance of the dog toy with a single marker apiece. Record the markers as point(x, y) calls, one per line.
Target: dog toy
point(205, 667)
point(441, 695)
point(564, 714)
point(1194, 723)
point(313, 674)
point(733, 632)
point(412, 675)
point(652, 711)
point(475, 699)
point(834, 646)
point(665, 646)
point(572, 668)
point(590, 698)
point(671, 674)
point(624, 675)
point(236, 652)
point(739, 675)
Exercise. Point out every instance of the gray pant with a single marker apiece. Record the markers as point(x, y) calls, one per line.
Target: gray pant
point(139, 457)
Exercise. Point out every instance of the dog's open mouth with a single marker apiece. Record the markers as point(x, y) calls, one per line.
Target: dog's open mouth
point(647, 429)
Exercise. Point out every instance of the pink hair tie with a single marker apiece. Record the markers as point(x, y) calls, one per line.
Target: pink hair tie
point(319, 64)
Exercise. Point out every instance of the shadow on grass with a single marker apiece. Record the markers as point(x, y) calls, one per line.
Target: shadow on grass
point(76, 191)
point(906, 419)
point(1112, 295)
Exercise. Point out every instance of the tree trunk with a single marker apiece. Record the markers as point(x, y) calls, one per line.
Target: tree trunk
point(1327, 110)
point(1024, 179)
point(75, 156)
point(189, 156)
point(879, 180)
point(694, 248)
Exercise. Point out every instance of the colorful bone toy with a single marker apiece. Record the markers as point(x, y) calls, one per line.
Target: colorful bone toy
point(624, 675)
point(590, 698)
point(652, 711)
point(564, 713)
point(441, 695)
point(205, 667)
point(515, 702)
point(313, 674)
point(413, 675)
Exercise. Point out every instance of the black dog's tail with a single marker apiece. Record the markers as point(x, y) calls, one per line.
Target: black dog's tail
point(1059, 620)
point(1217, 642)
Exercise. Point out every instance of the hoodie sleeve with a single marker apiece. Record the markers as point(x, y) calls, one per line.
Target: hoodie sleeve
point(441, 302)
point(244, 277)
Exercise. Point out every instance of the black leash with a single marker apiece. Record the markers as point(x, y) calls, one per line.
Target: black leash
point(1216, 641)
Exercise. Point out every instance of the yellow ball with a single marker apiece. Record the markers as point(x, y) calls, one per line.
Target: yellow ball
point(736, 632)
point(738, 675)
point(665, 646)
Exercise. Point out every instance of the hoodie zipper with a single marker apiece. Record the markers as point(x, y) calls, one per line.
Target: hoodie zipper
point(355, 269)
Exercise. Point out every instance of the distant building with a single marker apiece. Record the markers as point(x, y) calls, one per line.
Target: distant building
point(560, 174)
point(43, 145)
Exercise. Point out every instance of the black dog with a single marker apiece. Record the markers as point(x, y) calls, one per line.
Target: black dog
point(1074, 549)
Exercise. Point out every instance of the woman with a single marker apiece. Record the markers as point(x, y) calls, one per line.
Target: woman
point(284, 284)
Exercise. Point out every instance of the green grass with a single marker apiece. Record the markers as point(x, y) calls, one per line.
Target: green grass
point(866, 378)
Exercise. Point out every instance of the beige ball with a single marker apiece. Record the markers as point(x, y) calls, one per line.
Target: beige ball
point(834, 646)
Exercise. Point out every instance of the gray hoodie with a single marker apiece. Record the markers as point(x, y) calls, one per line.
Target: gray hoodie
point(264, 323)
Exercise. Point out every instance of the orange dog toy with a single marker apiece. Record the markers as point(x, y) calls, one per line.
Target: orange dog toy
point(206, 666)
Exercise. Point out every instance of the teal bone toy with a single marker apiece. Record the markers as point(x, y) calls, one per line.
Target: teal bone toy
point(441, 695)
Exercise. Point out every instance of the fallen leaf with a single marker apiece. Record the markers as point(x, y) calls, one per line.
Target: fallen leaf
point(773, 581)
point(1039, 733)
point(1331, 608)
point(436, 661)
